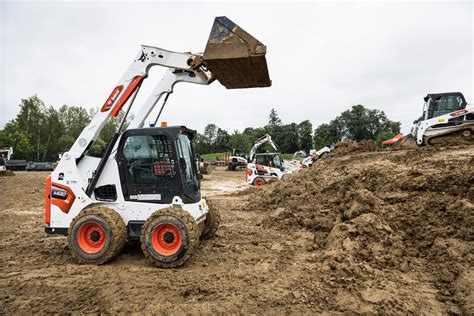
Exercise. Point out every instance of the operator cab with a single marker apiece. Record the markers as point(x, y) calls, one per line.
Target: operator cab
point(273, 160)
point(442, 103)
point(157, 164)
point(239, 153)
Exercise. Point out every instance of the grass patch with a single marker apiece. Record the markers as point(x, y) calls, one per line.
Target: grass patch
point(287, 156)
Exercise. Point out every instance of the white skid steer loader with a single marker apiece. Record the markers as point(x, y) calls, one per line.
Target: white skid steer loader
point(444, 114)
point(146, 185)
point(264, 168)
point(309, 158)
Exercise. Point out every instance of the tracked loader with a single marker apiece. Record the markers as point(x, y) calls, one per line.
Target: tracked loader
point(146, 185)
point(445, 115)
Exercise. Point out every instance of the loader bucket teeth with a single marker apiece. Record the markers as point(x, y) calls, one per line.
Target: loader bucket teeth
point(236, 58)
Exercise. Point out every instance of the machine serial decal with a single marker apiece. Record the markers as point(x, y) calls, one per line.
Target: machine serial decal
point(148, 197)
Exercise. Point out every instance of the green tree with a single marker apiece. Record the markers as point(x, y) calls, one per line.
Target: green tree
point(273, 119)
point(357, 123)
point(286, 137)
point(221, 142)
point(238, 140)
point(13, 136)
point(210, 133)
point(305, 134)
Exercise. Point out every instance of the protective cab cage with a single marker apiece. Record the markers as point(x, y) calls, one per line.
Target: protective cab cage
point(437, 104)
point(273, 160)
point(160, 169)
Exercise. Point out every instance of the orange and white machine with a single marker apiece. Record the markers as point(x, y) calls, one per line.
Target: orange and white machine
point(265, 168)
point(146, 184)
point(444, 114)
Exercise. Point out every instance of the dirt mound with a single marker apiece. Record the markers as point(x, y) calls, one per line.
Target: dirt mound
point(348, 146)
point(6, 173)
point(398, 215)
point(407, 142)
point(387, 232)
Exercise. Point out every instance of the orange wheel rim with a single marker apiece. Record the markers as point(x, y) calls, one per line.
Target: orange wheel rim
point(166, 239)
point(259, 183)
point(91, 237)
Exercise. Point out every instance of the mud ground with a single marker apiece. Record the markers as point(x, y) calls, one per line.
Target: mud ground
point(374, 232)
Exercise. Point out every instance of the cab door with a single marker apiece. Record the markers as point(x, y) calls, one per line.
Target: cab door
point(148, 169)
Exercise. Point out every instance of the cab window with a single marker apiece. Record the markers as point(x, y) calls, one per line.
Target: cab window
point(149, 161)
point(264, 160)
point(446, 104)
point(277, 161)
point(188, 163)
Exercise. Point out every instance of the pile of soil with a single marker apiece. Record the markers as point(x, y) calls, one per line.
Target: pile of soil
point(6, 173)
point(451, 140)
point(392, 231)
point(407, 142)
point(348, 146)
point(372, 232)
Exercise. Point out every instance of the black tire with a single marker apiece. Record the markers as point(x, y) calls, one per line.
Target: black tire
point(99, 223)
point(259, 181)
point(211, 223)
point(182, 238)
point(467, 134)
point(271, 181)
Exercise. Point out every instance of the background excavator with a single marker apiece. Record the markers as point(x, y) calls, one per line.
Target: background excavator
point(264, 168)
point(444, 115)
point(146, 185)
point(237, 159)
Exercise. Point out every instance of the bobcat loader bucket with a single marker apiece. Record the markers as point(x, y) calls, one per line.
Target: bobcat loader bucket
point(236, 58)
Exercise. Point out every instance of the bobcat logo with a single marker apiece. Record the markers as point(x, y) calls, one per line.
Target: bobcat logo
point(143, 57)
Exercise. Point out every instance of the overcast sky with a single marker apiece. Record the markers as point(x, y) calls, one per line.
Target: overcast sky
point(323, 57)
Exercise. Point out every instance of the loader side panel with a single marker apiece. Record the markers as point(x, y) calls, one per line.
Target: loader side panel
point(47, 207)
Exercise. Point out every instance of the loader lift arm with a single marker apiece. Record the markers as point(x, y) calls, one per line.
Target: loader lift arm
point(231, 56)
point(259, 142)
point(180, 70)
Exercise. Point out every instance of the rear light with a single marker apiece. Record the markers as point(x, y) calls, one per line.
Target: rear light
point(47, 209)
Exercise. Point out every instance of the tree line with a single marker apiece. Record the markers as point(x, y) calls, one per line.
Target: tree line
point(358, 123)
point(39, 133)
